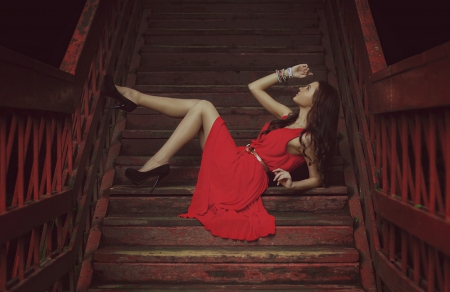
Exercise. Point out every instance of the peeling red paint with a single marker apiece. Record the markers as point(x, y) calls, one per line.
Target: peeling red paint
point(76, 45)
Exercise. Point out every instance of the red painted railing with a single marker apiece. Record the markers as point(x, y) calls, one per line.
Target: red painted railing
point(399, 120)
point(52, 150)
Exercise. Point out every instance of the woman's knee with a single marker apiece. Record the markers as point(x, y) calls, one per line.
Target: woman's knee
point(205, 106)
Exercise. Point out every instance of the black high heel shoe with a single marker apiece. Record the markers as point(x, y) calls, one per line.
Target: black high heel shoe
point(137, 177)
point(109, 89)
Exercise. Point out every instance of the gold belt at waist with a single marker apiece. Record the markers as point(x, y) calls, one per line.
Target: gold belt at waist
point(250, 149)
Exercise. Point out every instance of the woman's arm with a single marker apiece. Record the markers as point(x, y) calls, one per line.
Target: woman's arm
point(315, 179)
point(258, 87)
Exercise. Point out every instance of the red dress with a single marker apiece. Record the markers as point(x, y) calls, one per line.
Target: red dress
point(227, 197)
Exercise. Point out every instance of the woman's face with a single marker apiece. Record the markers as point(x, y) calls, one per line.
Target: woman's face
point(304, 97)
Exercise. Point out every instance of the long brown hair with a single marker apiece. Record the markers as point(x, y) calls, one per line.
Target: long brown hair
point(322, 120)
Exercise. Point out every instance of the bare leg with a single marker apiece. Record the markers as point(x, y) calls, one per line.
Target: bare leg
point(198, 120)
point(171, 107)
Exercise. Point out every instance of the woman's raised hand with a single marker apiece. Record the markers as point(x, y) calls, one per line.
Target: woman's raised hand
point(282, 177)
point(301, 71)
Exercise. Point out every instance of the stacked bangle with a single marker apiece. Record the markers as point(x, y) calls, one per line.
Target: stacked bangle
point(281, 74)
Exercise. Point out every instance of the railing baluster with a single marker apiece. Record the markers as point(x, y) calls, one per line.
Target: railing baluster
point(404, 252)
point(446, 274)
point(2, 165)
point(3, 267)
point(384, 147)
point(392, 242)
point(417, 159)
point(416, 261)
point(405, 166)
point(430, 270)
point(393, 160)
point(432, 162)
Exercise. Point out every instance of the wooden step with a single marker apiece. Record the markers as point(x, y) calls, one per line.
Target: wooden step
point(198, 236)
point(235, 118)
point(188, 190)
point(229, 59)
point(116, 218)
point(276, 39)
point(217, 78)
point(187, 175)
point(227, 22)
point(235, 99)
point(167, 15)
point(199, 32)
point(229, 49)
point(241, 254)
point(212, 2)
point(222, 288)
point(164, 90)
point(249, 8)
point(225, 273)
point(153, 204)
point(337, 161)
point(165, 134)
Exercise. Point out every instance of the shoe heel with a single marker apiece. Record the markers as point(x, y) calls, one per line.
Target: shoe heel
point(156, 182)
point(110, 90)
point(117, 107)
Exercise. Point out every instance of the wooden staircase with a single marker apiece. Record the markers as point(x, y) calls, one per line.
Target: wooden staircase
point(211, 50)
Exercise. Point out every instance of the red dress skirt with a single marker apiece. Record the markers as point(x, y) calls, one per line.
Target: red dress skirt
point(227, 197)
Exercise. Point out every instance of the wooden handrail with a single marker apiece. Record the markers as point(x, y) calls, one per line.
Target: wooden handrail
point(422, 81)
point(26, 83)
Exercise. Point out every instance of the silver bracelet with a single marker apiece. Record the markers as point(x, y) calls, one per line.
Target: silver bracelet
point(290, 73)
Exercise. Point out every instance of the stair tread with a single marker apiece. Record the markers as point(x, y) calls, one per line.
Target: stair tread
point(232, 7)
point(242, 254)
point(229, 49)
point(198, 32)
point(256, 69)
point(229, 78)
point(131, 160)
point(281, 219)
point(207, 88)
point(234, 288)
point(189, 189)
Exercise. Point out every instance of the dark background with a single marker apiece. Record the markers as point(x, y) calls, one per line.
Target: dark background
point(407, 28)
point(42, 29)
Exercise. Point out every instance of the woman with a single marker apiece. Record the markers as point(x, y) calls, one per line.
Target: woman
point(227, 197)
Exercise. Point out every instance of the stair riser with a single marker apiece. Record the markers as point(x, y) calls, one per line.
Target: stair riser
point(154, 134)
point(231, 49)
point(233, 8)
point(158, 206)
point(198, 236)
point(187, 175)
point(234, 255)
point(336, 162)
point(216, 78)
point(223, 23)
point(148, 147)
point(236, 40)
point(160, 122)
point(221, 59)
point(178, 176)
point(235, 99)
point(226, 273)
point(221, 288)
